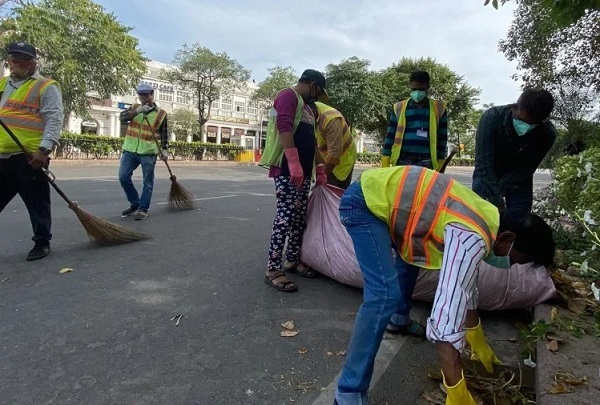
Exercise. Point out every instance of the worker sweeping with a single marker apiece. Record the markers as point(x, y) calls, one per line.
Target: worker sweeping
point(436, 223)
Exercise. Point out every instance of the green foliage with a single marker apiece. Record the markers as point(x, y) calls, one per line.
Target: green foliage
point(207, 75)
point(183, 122)
point(75, 146)
point(368, 158)
point(279, 78)
point(81, 46)
point(563, 12)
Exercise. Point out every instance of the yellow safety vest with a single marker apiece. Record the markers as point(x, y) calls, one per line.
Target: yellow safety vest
point(436, 111)
point(140, 137)
point(417, 204)
point(21, 113)
point(326, 114)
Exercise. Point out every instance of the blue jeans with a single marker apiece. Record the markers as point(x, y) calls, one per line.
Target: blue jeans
point(130, 162)
point(384, 293)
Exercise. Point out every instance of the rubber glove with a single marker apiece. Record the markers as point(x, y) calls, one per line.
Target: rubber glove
point(143, 109)
point(321, 176)
point(385, 161)
point(459, 394)
point(481, 349)
point(296, 172)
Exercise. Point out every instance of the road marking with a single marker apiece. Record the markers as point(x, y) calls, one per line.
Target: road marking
point(387, 352)
point(202, 199)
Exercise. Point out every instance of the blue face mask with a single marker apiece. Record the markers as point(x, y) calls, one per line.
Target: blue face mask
point(500, 262)
point(522, 127)
point(418, 95)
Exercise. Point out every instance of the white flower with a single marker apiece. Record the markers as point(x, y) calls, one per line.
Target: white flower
point(588, 167)
point(587, 218)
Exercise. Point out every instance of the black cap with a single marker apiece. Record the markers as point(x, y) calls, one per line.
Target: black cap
point(314, 76)
point(22, 48)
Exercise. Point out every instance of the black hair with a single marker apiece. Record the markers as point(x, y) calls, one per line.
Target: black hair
point(537, 102)
point(420, 77)
point(533, 236)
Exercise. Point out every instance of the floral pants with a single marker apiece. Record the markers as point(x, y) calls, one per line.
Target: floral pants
point(289, 221)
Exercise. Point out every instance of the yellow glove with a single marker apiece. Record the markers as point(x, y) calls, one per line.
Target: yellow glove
point(480, 348)
point(459, 394)
point(385, 161)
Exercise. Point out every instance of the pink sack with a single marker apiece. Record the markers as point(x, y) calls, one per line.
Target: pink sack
point(327, 248)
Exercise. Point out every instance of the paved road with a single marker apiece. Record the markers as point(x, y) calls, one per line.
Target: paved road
point(103, 334)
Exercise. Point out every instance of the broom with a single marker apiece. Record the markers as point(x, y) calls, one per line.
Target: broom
point(97, 228)
point(179, 197)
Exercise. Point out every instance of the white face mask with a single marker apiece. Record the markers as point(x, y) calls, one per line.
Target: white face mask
point(500, 262)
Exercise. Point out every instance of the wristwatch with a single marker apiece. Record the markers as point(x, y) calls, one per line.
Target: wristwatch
point(45, 151)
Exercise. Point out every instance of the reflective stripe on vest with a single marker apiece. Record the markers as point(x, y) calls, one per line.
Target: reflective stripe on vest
point(436, 111)
point(21, 113)
point(141, 137)
point(417, 204)
point(348, 156)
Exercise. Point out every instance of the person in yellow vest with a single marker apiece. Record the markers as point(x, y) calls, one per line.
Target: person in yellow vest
point(336, 148)
point(31, 106)
point(437, 224)
point(418, 129)
point(145, 121)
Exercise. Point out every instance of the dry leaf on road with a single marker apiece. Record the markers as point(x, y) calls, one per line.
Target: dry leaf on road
point(289, 325)
point(302, 351)
point(288, 333)
point(341, 353)
point(65, 270)
point(552, 346)
point(559, 388)
point(329, 354)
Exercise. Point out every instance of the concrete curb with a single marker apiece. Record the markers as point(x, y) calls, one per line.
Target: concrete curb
point(577, 356)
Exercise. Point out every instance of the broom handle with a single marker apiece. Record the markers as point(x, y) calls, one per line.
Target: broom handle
point(49, 175)
point(157, 144)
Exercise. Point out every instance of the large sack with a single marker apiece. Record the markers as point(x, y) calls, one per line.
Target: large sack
point(327, 248)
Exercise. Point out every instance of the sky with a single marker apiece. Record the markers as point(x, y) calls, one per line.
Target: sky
point(260, 34)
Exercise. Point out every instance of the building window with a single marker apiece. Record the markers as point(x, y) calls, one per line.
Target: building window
point(252, 107)
point(211, 134)
point(168, 97)
point(225, 135)
point(215, 104)
point(240, 106)
point(183, 97)
point(226, 103)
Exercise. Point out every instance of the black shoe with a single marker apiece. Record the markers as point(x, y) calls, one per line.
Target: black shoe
point(39, 251)
point(129, 211)
point(412, 328)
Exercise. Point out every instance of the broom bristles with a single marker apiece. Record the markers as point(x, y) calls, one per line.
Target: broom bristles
point(105, 231)
point(179, 197)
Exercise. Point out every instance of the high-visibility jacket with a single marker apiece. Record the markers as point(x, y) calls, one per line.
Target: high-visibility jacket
point(21, 113)
point(345, 164)
point(417, 203)
point(436, 111)
point(140, 137)
point(273, 153)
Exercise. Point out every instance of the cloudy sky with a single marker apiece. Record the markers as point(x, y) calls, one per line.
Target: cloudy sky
point(462, 34)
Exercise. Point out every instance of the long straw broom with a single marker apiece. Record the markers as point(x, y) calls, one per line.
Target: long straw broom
point(98, 229)
point(179, 197)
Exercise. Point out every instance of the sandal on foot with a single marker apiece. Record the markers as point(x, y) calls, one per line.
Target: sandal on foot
point(279, 281)
point(299, 268)
point(412, 328)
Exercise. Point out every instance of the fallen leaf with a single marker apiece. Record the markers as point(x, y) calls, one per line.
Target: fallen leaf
point(552, 346)
point(513, 340)
point(554, 337)
point(559, 388)
point(341, 353)
point(434, 397)
point(329, 354)
point(577, 305)
point(302, 351)
point(288, 333)
point(554, 314)
point(65, 270)
point(289, 325)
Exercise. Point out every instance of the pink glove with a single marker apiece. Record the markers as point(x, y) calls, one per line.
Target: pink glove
point(321, 176)
point(296, 172)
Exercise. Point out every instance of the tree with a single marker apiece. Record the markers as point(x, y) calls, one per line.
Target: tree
point(183, 122)
point(207, 75)
point(562, 12)
point(279, 78)
point(81, 46)
point(392, 85)
point(349, 84)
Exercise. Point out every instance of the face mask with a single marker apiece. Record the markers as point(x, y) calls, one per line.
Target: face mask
point(418, 95)
point(522, 127)
point(501, 262)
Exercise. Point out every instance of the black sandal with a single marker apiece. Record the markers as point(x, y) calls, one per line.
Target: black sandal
point(283, 285)
point(306, 272)
point(413, 328)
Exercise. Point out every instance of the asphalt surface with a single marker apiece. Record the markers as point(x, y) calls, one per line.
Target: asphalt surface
point(104, 334)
